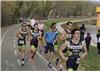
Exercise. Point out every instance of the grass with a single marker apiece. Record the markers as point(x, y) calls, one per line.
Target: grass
point(92, 61)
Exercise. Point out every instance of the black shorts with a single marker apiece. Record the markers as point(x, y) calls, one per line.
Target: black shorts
point(65, 50)
point(72, 63)
point(35, 43)
point(49, 47)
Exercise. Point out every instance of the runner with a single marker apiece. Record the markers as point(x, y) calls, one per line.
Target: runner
point(34, 36)
point(42, 28)
point(76, 48)
point(98, 41)
point(82, 31)
point(67, 33)
point(56, 31)
point(50, 37)
point(21, 35)
point(56, 45)
point(88, 41)
point(32, 22)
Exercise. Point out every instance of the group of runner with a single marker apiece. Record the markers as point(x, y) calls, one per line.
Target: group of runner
point(47, 43)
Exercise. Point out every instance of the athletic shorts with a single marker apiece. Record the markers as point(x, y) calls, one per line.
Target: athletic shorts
point(49, 47)
point(71, 63)
point(22, 46)
point(34, 43)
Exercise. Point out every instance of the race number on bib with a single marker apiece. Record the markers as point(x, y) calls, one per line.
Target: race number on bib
point(78, 61)
point(99, 39)
point(21, 41)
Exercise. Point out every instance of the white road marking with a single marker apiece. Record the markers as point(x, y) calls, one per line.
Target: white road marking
point(19, 61)
point(4, 36)
point(6, 33)
point(15, 52)
point(6, 61)
point(14, 45)
point(14, 40)
point(46, 61)
point(14, 36)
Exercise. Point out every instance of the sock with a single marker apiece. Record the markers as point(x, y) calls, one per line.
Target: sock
point(22, 59)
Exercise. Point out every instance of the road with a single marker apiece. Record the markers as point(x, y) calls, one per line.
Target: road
point(9, 55)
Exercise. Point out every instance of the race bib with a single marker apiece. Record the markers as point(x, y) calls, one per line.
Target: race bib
point(78, 61)
point(99, 39)
point(21, 42)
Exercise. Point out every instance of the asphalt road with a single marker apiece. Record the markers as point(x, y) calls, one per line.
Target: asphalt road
point(9, 54)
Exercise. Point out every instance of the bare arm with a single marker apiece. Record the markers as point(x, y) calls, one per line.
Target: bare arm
point(29, 36)
point(18, 34)
point(63, 35)
point(85, 50)
point(61, 51)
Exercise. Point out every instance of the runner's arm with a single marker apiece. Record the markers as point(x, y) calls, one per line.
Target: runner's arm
point(40, 36)
point(61, 51)
point(63, 35)
point(85, 50)
point(29, 36)
point(18, 34)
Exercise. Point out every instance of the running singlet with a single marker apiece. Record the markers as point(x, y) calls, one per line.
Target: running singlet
point(75, 49)
point(35, 35)
point(22, 41)
point(68, 34)
point(41, 26)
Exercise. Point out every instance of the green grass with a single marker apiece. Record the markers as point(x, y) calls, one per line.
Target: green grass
point(92, 61)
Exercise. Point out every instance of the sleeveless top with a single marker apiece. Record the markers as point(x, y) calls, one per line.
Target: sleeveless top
point(22, 41)
point(75, 49)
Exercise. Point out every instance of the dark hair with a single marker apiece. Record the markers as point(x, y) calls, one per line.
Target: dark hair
point(35, 24)
point(68, 23)
point(88, 33)
point(23, 23)
point(74, 30)
point(53, 23)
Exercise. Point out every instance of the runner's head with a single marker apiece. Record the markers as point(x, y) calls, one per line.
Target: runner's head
point(53, 24)
point(24, 26)
point(88, 34)
point(75, 33)
point(36, 26)
point(99, 30)
point(52, 28)
point(69, 24)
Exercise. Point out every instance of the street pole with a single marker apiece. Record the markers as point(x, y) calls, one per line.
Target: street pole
point(98, 17)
